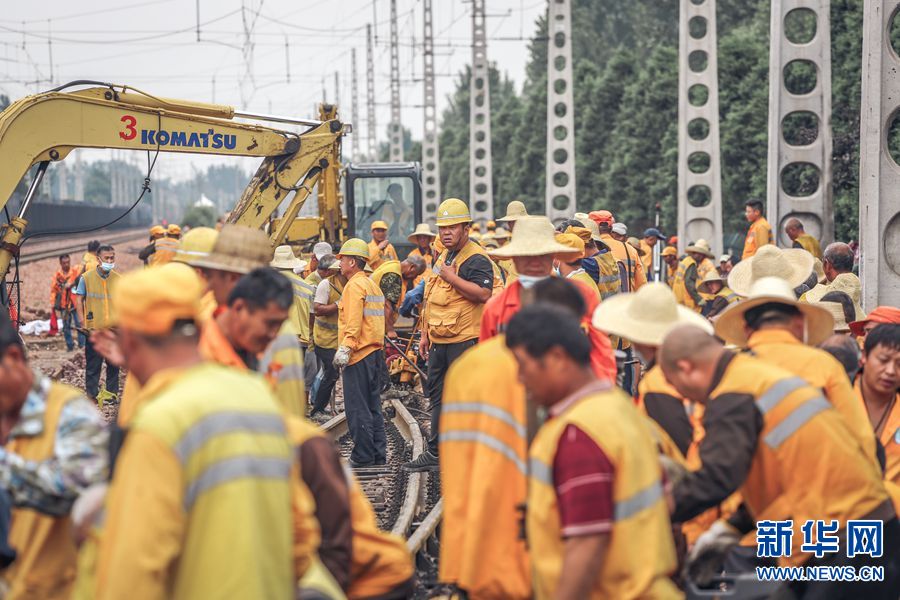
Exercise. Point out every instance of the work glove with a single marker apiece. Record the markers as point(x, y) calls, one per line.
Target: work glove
point(705, 559)
point(342, 357)
point(412, 299)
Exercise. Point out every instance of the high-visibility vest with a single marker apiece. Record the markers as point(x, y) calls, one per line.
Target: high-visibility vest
point(807, 464)
point(325, 329)
point(165, 251)
point(303, 297)
point(890, 440)
point(98, 310)
point(380, 562)
point(583, 277)
point(759, 228)
point(282, 366)
point(809, 243)
point(89, 262)
point(390, 266)
point(449, 316)
point(641, 555)
point(484, 450)
point(728, 294)
point(377, 256)
point(46, 563)
point(678, 287)
point(361, 314)
point(608, 283)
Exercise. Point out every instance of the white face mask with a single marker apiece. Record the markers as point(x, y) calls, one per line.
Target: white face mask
point(108, 266)
point(528, 281)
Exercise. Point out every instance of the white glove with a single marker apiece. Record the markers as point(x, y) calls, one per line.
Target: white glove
point(705, 558)
point(342, 357)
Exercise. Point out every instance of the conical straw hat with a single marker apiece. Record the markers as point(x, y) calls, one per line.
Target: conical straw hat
point(284, 259)
point(238, 249)
point(515, 210)
point(533, 236)
point(793, 265)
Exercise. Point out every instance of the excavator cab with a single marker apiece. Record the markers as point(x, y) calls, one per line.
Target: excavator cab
point(389, 192)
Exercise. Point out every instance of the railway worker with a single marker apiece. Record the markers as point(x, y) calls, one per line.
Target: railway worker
point(572, 269)
point(598, 262)
point(760, 232)
point(688, 276)
point(533, 250)
point(595, 482)
point(501, 236)
point(800, 239)
point(718, 295)
point(652, 237)
point(320, 249)
point(515, 210)
point(165, 519)
point(882, 314)
point(669, 256)
point(325, 328)
point(878, 389)
point(197, 244)
point(164, 248)
point(237, 251)
point(90, 260)
point(619, 232)
point(484, 447)
point(62, 301)
point(173, 231)
point(394, 278)
point(156, 232)
point(453, 302)
point(380, 248)
point(791, 456)
point(726, 264)
point(55, 447)
point(630, 267)
point(423, 237)
point(95, 311)
point(360, 353)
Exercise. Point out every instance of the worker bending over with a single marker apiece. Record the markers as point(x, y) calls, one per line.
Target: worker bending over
point(394, 278)
point(793, 227)
point(596, 522)
point(360, 354)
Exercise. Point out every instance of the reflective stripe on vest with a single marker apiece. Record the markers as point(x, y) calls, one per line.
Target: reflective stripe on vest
point(480, 437)
point(222, 423)
point(777, 393)
point(799, 417)
point(374, 312)
point(642, 500)
point(325, 324)
point(232, 469)
point(487, 409)
point(540, 471)
point(284, 341)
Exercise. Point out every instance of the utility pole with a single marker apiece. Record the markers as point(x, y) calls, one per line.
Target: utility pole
point(354, 108)
point(481, 191)
point(337, 89)
point(431, 156)
point(787, 155)
point(879, 179)
point(560, 185)
point(370, 96)
point(699, 163)
point(79, 179)
point(396, 131)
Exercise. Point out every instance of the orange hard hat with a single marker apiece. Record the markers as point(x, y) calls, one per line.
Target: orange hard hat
point(602, 216)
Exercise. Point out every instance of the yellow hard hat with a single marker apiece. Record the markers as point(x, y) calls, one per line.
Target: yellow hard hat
point(453, 211)
point(196, 244)
point(157, 231)
point(379, 225)
point(149, 301)
point(174, 229)
point(354, 247)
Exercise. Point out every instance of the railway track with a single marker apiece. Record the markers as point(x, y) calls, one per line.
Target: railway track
point(30, 256)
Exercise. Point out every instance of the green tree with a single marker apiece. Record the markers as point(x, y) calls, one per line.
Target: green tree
point(199, 216)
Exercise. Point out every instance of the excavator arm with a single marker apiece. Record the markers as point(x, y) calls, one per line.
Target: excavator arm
point(46, 127)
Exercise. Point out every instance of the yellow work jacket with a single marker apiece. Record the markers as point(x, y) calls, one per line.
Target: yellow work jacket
point(325, 329)
point(890, 439)
point(449, 317)
point(98, 310)
point(821, 370)
point(509, 268)
point(361, 317)
point(483, 453)
point(640, 556)
point(758, 235)
point(582, 276)
point(807, 464)
point(46, 562)
point(810, 244)
point(89, 262)
point(429, 264)
point(303, 298)
point(609, 282)
point(378, 256)
point(380, 561)
point(390, 266)
point(282, 365)
point(629, 260)
point(166, 248)
point(678, 286)
point(647, 258)
point(221, 470)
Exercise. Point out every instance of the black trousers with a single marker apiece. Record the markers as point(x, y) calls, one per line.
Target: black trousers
point(329, 378)
point(362, 403)
point(93, 365)
point(440, 357)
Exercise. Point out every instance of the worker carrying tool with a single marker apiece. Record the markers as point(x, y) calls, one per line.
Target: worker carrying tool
point(143, 546)
point(55, 446)
point(595, 483)
point(760, 232)
point(325, 329)
point(360, 354)
point(454, 302)
point(791, 456)
point(380, 248)
point(62, 300)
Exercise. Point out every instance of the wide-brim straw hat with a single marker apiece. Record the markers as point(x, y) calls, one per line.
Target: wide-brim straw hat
point(421, 229)
point(701, 247)
point(533, 236)
point(710, 277)
point(515, 210)
point(794, 265)
point(636, 244)
point(837, 313)
point(590, 225)
point(845, 282)
point(731, 326)
point(238, 249)
point(502, 233)
point(645, 316)
point(284, 259)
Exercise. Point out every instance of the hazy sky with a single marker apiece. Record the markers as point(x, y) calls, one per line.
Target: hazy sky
point(244, 49)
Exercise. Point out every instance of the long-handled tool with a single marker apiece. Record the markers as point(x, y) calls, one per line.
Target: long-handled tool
point(407, 359)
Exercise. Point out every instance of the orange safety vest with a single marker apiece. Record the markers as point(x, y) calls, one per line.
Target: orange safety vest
point(46, 563)
point(97, 306)
point(378, 256)
point(890, 439)
point(484, 450)
point(361, 316)
point(760, 228)
point(165, 251)
point(449, 317)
